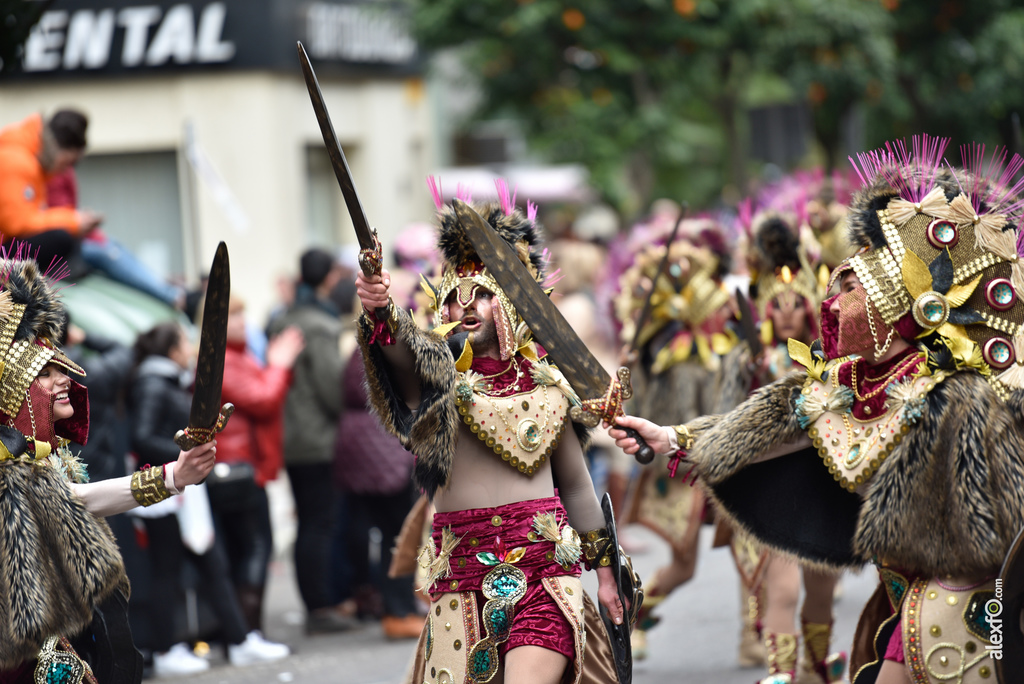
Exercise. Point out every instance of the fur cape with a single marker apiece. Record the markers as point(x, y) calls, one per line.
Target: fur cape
point(948, 500)
point(58, 561)
point(431, 431)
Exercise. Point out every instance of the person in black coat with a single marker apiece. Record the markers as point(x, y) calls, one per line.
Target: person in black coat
point(108, 367)
point(161, 402)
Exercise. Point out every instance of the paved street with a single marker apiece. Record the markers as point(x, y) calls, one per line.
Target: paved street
point(696, 641)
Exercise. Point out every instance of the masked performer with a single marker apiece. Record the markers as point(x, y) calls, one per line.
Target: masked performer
point(787, 295)
point(679, 348)
point(63, 602)
point(490, 428)
point(906, 455)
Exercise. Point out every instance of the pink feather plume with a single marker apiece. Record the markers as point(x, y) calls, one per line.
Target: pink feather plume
point(435, 191)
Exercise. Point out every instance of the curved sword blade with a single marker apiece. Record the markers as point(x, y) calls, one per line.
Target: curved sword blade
point(212, 344)
point(338, 161)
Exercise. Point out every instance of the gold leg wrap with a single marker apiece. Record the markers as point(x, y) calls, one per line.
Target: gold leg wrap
point(816, 641)
point(751, 650)
point(781, 649)
point(818, 666)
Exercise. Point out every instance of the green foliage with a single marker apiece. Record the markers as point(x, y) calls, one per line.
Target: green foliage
point(652, 95)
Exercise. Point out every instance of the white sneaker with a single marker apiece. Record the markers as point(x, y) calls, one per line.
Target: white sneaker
point(180, 660)
point(256, 649)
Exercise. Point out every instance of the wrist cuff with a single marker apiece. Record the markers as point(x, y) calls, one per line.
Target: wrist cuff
point(148, 486)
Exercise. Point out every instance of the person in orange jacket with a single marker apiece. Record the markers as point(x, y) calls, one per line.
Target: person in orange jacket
point(32, 151)
point(250, 455)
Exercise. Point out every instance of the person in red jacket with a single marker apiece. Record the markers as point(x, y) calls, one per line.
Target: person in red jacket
point(31, 152)
point(250, 455)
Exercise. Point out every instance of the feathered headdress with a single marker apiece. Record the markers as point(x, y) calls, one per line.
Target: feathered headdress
point(780, 263)
point(941, 257)
point(689, 291)
point(463, 272)
point(32, 319)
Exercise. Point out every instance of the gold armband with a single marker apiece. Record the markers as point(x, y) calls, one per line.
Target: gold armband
point(148, 486)
point(597, 548)
point(684, 437)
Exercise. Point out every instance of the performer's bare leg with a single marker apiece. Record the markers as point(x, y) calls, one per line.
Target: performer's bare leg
point(893, 673)
point(532, 665)
point(782, 592)
point(819, 588)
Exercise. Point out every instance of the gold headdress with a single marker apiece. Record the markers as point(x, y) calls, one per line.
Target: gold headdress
point(940, 259)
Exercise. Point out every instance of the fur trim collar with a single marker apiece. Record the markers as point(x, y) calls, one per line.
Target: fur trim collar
point(948, 500)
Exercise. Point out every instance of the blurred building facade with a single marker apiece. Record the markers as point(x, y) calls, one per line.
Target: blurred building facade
point(201, 128)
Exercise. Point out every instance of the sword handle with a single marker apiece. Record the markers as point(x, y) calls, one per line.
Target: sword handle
point(646, 453)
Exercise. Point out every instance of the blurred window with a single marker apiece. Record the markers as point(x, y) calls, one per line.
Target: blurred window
point(140, 198)
point(327, 220)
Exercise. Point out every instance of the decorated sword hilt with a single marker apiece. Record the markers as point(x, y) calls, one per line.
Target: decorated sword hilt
point(605, 409)
point(191, 437)
point(371, 259)
point(371, 263)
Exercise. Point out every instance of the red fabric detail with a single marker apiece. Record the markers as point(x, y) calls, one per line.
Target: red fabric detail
point(23, 204)
point(894, 650)
point(865, 387)
point(829, 329)
point(516, 522)
point(906, 327)
point(76, 428)
point(141, 533)
point(255, 433)
point(538, 621)
point(487, 366)
point(381, 333)
point(62, 189)
point(19, 675)
point(855, 334)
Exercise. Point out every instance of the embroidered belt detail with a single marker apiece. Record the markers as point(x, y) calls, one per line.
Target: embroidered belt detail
point(503, 587)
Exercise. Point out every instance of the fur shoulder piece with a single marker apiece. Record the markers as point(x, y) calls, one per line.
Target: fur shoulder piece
point(735, 378)
point(430, 431)
point(949, 500)
point(737, 438)
point(57, 561)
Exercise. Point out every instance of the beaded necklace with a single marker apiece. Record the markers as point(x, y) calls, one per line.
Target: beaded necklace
point(890, 377)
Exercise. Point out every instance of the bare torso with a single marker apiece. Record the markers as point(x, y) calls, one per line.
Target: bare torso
point(480, 479)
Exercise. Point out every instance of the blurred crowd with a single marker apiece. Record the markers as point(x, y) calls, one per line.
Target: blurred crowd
point(297, 383)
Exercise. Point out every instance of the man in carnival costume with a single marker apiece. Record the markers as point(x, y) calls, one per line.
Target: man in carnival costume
point(913, 401)
point(64, 584)
point(487, 417)
point(679, 350)
point(787, 295)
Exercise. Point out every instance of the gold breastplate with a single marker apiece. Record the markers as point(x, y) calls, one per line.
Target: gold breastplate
point(524, 429)
point(854, 449)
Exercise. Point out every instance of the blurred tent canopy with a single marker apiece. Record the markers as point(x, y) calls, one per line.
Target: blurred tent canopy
point(562, 183)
